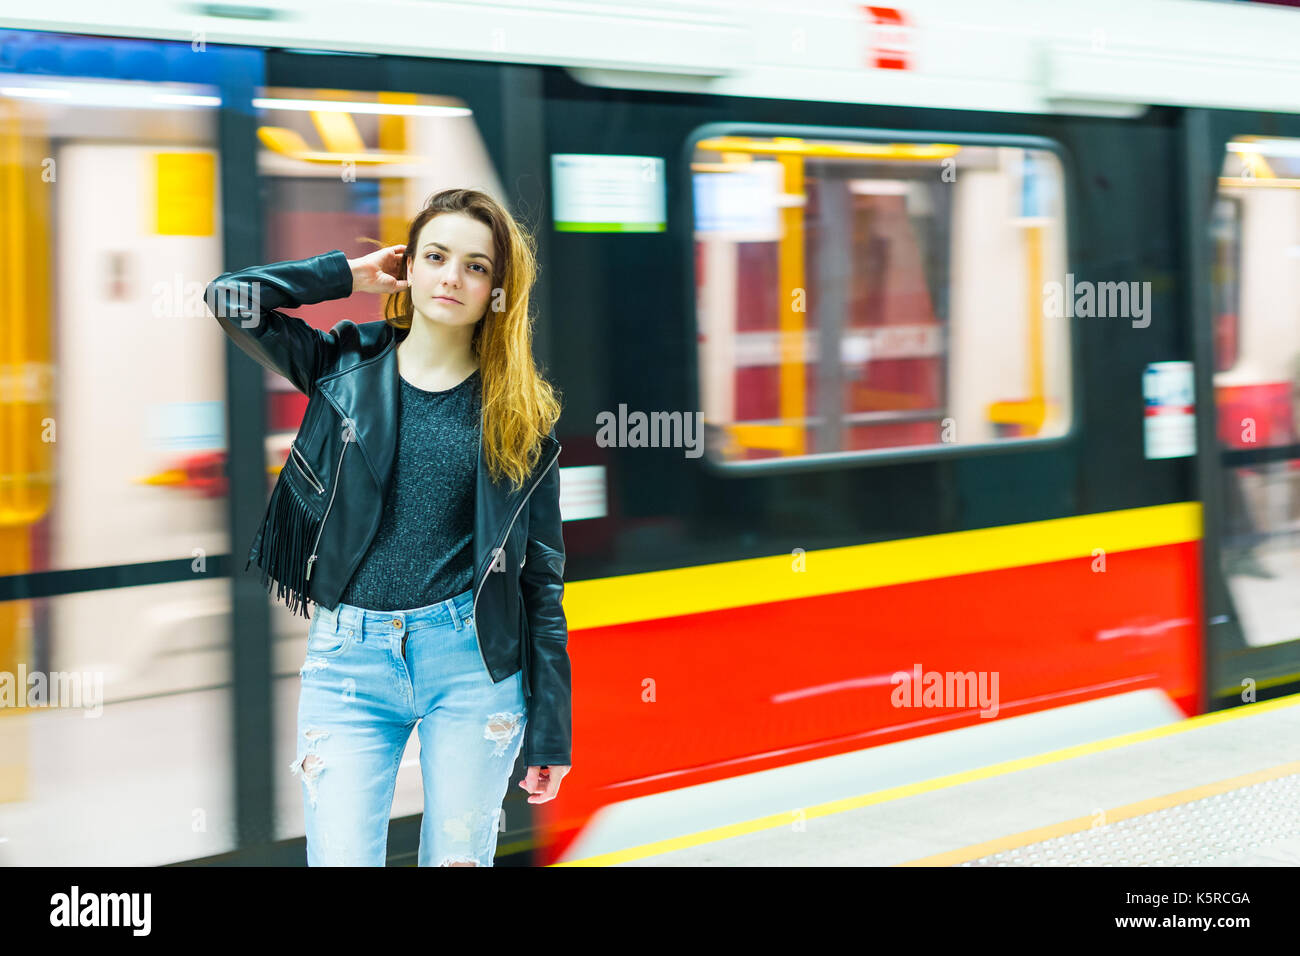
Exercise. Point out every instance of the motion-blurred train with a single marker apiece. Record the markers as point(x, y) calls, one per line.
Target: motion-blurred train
point(904, 351)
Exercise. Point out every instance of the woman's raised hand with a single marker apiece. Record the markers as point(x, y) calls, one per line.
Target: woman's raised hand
point(381, 271)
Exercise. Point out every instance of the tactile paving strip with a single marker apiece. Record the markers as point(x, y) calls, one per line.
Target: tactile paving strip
point(1191, 834)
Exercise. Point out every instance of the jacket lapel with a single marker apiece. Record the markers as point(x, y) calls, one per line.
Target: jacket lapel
point(373, 380)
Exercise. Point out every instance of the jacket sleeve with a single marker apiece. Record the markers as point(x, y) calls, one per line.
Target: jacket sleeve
point(548, 732)
point(245, 304)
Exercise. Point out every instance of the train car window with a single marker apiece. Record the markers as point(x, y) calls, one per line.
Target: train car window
point(873, 296)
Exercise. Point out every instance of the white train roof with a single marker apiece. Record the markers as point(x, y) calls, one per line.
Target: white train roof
point(1053, 56)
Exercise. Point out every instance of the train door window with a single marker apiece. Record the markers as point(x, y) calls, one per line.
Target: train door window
point(872, 296)
point(348, 170)
point(100, 283)
point(1256, 321)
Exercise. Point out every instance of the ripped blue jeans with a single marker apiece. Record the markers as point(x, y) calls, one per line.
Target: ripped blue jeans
point(368, 678)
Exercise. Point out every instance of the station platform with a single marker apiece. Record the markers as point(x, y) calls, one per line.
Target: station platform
point(1117, 781)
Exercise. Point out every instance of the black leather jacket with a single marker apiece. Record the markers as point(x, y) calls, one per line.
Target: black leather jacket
point(332, 488)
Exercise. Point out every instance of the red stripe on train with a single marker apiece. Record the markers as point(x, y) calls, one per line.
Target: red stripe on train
point(675, 702)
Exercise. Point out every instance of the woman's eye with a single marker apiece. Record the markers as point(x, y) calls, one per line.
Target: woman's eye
point(476, 265)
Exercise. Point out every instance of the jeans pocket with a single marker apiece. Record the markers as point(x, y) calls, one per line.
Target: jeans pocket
point(326, 642)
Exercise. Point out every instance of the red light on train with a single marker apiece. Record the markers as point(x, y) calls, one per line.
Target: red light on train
point(890, 39)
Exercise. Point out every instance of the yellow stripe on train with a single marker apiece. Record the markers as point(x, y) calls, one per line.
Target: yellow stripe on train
point(628, 598)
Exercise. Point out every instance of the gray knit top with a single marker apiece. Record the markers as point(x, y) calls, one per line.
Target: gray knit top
point(423, 551)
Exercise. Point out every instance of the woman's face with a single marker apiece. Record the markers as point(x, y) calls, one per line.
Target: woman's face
point(453, 269)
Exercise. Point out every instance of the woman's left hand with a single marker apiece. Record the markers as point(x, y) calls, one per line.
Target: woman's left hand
point(543, 782)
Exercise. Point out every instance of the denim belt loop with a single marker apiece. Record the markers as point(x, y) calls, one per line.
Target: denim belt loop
point(455, 614)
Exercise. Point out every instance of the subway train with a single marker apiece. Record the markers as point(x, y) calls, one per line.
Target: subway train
point(922, 368)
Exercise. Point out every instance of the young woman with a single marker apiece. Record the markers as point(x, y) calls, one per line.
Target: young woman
point(419, 511)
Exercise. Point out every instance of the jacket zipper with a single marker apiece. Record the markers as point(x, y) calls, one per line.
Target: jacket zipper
point(306, 469)
point(479, 589)
point(348, 438)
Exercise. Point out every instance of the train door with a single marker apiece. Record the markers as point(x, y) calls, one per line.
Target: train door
point(349, 149)
point(114, 603)
point(1249, 346)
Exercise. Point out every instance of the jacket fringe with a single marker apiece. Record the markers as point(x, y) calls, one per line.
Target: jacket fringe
point(288, 533)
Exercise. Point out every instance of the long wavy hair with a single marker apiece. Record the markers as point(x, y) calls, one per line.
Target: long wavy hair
point(519, 405)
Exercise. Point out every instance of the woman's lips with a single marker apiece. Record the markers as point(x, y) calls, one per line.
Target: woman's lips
point(443, 298)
